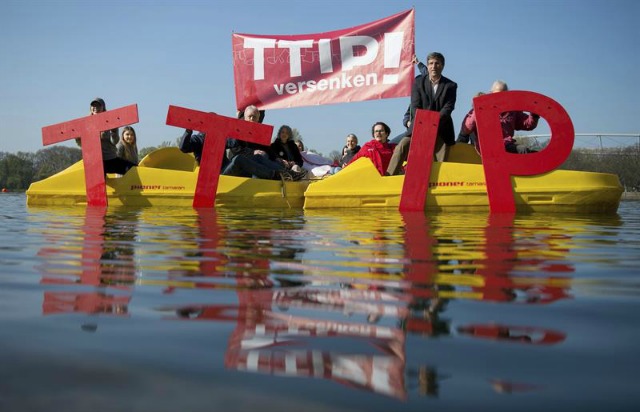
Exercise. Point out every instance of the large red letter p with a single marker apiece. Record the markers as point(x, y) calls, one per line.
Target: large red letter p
point(500, 165)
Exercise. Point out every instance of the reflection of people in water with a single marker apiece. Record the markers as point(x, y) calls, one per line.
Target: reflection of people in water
point(117, 260)
point(428, 381)
point(107, 261)
point(427, 301)
point(426, 306)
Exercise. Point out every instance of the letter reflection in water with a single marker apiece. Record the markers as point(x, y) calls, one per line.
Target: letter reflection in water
point(347, 319)
point(271, 337)
point(492, 281)
point(106, 265)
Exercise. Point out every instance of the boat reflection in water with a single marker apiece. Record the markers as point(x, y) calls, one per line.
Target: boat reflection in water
point(347, 297)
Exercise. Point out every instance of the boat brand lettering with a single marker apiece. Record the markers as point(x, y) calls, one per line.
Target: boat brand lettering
point(366, 62)
point(156, 187)
point(145, 187)
point(446, 184)
point(455, 184)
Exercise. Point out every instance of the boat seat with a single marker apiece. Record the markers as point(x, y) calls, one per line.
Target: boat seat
point(170, 158)
point(464, 153)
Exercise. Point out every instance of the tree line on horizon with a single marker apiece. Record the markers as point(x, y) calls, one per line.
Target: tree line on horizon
point(19, 170)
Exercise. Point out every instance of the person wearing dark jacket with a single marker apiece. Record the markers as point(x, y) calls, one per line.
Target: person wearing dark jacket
point(111, 163)
point(285, 150)
point(406, 119)
point(432, 92)
point(191, 142)
point(252, 160)
point(349, 150)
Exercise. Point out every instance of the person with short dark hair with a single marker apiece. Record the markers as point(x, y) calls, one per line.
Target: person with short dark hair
point(378, 149)
point(430, 92)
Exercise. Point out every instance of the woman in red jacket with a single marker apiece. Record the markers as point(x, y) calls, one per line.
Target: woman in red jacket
point(378, 149)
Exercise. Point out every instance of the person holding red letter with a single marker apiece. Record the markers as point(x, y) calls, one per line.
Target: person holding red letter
point(379, 150)
point(510, 122)
point(108, 141)
point(431, 92)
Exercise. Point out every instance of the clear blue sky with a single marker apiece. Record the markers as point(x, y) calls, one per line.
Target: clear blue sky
point(56, 55)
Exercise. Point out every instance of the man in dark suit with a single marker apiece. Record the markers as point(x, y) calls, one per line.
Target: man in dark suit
point(431, 92)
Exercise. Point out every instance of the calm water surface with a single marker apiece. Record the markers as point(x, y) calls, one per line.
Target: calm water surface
point(182, 310)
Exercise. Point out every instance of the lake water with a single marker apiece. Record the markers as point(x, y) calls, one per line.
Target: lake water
point(236, 310)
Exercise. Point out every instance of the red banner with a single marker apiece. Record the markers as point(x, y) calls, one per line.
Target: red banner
point(367, 62)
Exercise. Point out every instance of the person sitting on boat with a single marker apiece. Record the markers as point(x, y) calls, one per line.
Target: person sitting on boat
point(378, 149)
point(285, 150)
point(431, 92)
point(251, 160)
point(469, 138)
point(348, 151)
point(127, 146)
point(108, 140)
point(314, 163)
point(191, 142)
point(510, 122)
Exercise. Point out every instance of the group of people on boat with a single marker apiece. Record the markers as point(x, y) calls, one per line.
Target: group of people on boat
point(433, 91)
point(286, 158)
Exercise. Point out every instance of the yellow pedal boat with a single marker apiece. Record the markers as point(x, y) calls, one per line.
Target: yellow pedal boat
point(168, 177)
point(459, 184)
point(165, 177)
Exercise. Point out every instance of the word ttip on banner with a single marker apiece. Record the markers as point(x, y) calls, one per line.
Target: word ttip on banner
point(355, 51)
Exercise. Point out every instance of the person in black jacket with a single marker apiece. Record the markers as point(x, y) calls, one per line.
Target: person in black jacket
point(191, 142)
point(349, 150)
point(432, 92)
point(284, 149)
point(111, 163)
